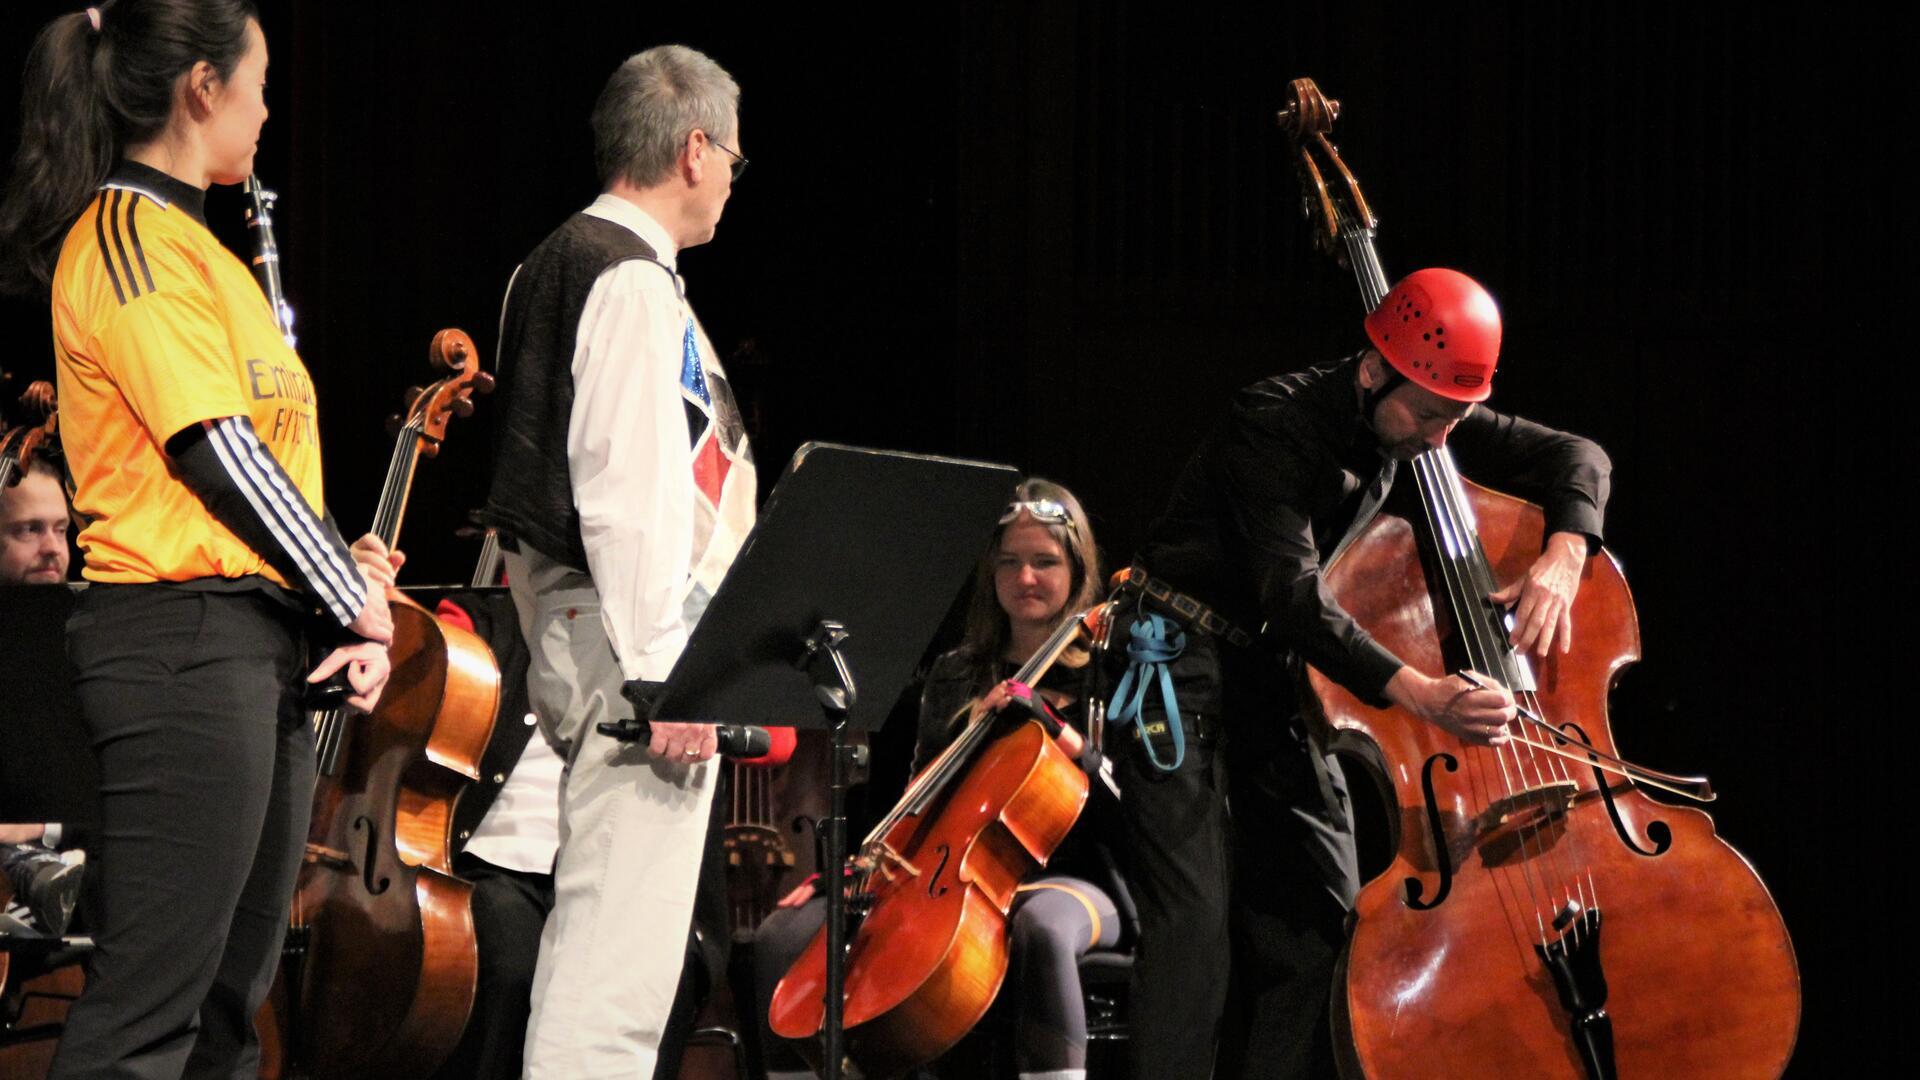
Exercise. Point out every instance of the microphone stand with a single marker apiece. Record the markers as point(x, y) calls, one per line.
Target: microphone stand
point(834, 689)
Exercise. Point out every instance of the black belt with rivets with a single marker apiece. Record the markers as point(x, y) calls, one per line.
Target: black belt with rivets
point(1188, 610)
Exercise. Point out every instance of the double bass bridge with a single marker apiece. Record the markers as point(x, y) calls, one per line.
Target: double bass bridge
point(1500, 825)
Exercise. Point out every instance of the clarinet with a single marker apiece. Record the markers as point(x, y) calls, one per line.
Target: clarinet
point(266, 254)
point(333, 693)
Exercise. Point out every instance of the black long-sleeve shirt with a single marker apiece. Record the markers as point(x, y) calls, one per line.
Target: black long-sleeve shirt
point(1273, 489)
point(956, 679)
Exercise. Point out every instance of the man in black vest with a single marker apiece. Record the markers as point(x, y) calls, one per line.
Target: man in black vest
point(623, 488)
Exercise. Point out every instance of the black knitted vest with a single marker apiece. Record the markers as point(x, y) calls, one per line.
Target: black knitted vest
point(531, 500)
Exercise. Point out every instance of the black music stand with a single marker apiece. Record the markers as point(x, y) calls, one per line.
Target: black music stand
point(839, 588)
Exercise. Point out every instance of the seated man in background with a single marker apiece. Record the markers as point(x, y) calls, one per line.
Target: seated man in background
point(33, 551)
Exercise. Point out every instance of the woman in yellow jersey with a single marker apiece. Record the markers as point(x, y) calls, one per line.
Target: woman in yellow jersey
point(218, 579)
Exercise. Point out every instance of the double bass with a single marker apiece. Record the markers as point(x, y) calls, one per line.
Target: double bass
point(381, 963)
point(1542, 916)
point(934, 881)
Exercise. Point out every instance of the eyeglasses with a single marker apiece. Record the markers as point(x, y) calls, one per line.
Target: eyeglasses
point(1047, 511)
point(739, 163)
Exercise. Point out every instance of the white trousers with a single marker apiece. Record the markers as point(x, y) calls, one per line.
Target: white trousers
point(632, 830)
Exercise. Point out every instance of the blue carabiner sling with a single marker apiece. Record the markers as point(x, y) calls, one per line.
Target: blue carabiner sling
point(1154, 642)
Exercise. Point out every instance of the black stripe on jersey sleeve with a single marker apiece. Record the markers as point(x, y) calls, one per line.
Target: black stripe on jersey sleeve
point(120, 245)
point(106, 256)
point(133, 234)
point(328, 570)
point(243, 486)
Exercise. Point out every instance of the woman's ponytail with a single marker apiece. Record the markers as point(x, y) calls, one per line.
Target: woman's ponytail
point(88, 95)
point(66, 149)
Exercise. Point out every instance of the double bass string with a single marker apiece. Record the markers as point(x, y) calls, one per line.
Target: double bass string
point(1493, 640)
point(1449, 556)
point(1469, 580)
point(1524, 682)
point(1461, 557)
point(1458, 577)
point(1364, 260)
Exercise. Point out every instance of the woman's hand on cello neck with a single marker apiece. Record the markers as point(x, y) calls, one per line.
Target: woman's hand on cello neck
point(1067, 738)
point(379, 564)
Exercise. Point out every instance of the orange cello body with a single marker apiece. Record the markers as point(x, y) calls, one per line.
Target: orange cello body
point(1442, 975)
point(932, 952)
point(385, 978)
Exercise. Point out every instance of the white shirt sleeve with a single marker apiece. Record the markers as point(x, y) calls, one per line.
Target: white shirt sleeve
point(627, 452)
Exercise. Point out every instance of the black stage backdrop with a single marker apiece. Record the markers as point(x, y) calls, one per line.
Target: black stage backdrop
point(1059, 235)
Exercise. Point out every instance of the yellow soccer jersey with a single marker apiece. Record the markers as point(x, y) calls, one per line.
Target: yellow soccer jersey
point(156, 327)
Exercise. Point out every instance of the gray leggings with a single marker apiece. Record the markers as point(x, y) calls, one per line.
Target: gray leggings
point(1056, 920)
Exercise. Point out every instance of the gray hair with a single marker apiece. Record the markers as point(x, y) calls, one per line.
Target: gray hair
point(652, 102)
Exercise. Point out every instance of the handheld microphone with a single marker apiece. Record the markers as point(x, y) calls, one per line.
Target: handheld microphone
point(735, 740)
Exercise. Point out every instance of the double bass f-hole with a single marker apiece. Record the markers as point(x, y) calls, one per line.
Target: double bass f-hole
point(1657, 831)
point(1442, 857)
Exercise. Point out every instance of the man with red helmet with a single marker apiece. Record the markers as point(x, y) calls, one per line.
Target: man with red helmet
point(1301, 463)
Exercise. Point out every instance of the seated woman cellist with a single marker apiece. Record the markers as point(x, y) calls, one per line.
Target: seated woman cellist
point(1041, 565)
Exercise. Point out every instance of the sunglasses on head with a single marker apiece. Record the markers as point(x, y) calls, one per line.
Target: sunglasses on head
point(1047, 511)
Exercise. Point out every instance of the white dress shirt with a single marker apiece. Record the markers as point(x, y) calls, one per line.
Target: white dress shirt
point(521, 830)
point(627, 449)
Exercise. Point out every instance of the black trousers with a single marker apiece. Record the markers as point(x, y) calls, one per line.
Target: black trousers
point(206, 766)
point(509, 908)
point(1295, 877)
point(1177, 858)
point(1177, 867)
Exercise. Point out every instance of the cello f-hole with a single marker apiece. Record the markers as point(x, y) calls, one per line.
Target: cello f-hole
point(369, 851)
point(934, 886)
point(1442, 857)
point(1657, 831)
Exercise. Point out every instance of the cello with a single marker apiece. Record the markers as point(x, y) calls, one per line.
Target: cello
point(933, 884)
point(380, 964)
point(1542, 916)
point(19, 444)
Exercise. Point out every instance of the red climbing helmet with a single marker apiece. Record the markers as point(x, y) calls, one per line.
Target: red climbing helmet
point(1440, 330)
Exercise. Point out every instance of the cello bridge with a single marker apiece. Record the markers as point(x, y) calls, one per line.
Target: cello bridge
point(887, 859)
point(331, 858)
